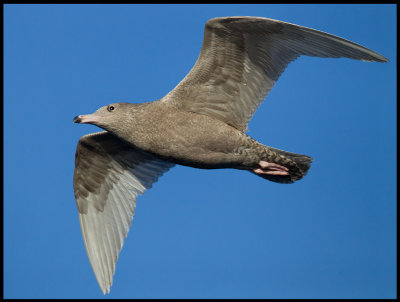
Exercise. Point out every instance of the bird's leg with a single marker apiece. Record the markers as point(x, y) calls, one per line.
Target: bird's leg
point(265, 167)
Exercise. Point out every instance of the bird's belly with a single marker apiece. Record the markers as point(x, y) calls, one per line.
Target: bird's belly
point(199, 141)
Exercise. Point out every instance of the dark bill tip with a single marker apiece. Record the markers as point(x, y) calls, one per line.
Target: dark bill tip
point(76, 119)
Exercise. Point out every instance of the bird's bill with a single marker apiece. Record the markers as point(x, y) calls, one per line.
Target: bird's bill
point(86, 119)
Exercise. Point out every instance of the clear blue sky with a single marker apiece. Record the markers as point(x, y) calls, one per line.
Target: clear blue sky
point(198, 233)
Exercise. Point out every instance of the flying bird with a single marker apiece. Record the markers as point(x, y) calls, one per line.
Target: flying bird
point(201, 123)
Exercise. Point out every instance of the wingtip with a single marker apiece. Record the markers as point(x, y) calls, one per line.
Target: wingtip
point(105, 289)
point(379, 58)
point(385, 60)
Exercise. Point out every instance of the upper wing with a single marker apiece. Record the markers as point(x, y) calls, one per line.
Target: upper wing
point(242, 58)
point(109, 174)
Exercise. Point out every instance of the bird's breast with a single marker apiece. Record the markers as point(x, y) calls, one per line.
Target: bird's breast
point(192, 139)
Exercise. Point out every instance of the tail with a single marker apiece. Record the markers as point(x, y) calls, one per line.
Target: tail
point(297, 164)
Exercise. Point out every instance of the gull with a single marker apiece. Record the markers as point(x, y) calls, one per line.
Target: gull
point(201, 123)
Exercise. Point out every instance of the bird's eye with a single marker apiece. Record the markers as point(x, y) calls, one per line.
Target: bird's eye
point(110, 108)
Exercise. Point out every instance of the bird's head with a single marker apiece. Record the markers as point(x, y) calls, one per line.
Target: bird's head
point(110, 117)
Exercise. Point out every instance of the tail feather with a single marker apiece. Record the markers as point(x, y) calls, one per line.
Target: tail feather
point(297, 164)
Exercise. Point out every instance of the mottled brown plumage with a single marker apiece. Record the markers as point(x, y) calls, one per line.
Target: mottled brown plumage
point(200, 124)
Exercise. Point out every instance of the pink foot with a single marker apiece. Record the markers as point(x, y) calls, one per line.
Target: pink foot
point(270, 169)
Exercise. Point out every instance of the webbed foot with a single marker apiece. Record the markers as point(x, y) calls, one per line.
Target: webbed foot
point(267, 168)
